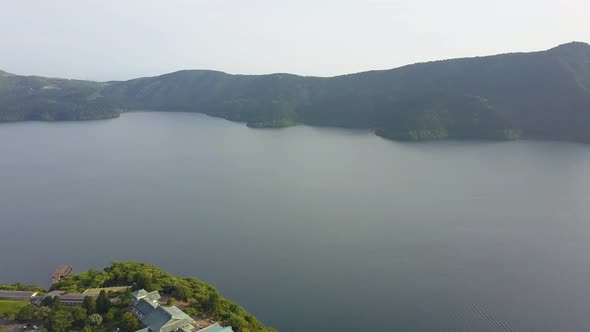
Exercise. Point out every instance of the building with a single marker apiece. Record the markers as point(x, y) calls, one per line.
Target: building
point(217, 328)
point(143, 296)
point(17, 295)
point(157, 318)
point(69, 299)
point(96, 291)
point(72, 299)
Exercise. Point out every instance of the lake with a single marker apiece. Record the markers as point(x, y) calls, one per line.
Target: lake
point(310, 229)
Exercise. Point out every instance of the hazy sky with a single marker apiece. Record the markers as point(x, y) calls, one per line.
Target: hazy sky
point(118, 39)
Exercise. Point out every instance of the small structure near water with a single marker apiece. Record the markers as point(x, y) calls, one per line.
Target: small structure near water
point(60, 273)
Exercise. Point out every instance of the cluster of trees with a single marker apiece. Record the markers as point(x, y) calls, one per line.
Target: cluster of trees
point(56, 317)
point(201, 297)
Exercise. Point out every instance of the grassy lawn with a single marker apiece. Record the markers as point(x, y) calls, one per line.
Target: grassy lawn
point(96, 291)
point(11, 307)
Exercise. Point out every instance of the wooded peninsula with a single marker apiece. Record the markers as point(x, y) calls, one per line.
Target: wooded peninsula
point(125, 297)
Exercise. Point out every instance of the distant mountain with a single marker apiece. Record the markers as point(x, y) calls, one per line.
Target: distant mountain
point(48, 99)
point(541, 95)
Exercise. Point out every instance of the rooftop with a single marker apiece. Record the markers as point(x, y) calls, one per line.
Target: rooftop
point(166, 319)
point(74, 297)
point(145, 307)
point(139, 294)
point(143, 294)
point(157, 318)
point(217, 328)
point(4, 293)
point(96, 291)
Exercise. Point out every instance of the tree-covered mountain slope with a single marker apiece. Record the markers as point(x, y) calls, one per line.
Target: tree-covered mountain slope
point(540, 94)
point(41, 98)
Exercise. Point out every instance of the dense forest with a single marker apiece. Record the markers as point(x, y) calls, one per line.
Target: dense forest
point(198, 298)
point(538, 95)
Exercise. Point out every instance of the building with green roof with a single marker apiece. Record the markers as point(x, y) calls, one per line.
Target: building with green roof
point(157, 318)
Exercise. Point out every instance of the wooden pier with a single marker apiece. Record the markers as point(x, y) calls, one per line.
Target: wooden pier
point(60, 273)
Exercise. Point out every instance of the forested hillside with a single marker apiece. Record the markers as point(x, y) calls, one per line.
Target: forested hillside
point(541, 95)
point(40, 98)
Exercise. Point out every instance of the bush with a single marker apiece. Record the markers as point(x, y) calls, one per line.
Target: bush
point(113, 314)
point(129, 322)
point(27, 313)
point(94, 320)
point(191, 311)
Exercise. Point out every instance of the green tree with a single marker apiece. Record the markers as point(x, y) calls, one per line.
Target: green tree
point(42, 314)
point(56, 303)
point(181, 292)
point(191, 311)
point(103, 303)
point(125, 299)
point(87, 329)
point(113, 314)
point(212, 303)
point(27, 313)
point(90, 305)
point(145, 281)
point(238, 323)
point(129, 322)
point(171, 301)
point(94, 320)
point(60, 321)
point(78, 315)
point(47, 301)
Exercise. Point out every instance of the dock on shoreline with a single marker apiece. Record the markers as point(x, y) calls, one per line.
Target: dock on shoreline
point(60, 273)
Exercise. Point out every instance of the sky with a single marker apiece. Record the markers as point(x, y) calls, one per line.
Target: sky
point(119, 39)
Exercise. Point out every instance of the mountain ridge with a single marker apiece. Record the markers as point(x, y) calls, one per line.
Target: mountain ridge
point(543, 94)
point(572, 44)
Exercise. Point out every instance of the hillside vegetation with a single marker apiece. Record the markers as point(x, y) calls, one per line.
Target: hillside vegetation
point(46, 99)
point(540, 94)
point(200, 296)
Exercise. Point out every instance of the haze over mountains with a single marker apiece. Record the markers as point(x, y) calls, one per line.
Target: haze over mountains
point(540, 95)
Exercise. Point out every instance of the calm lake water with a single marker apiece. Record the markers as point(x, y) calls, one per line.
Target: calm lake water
point(310, 229)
